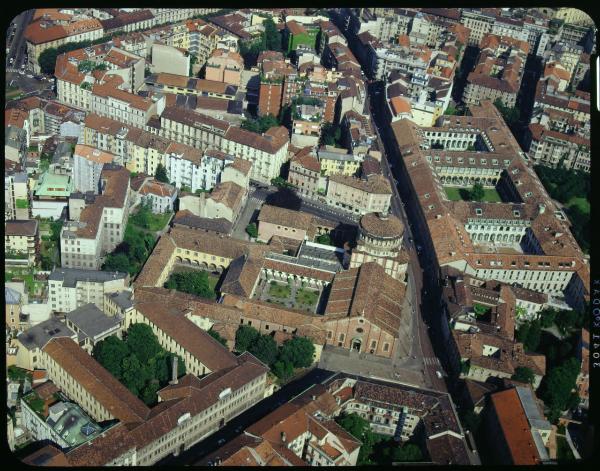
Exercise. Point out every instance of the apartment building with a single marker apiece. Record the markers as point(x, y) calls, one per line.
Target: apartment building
point(225, 66)
point(129, 21)
point(71, 288)
point(109, 100)
point(498, 72)
point(13, 300)
point(480, 23)
point(43, 34)
point(197, 170)
point(16, 196)
point(87, 167)
point(170, 59)
point(159, 196)
point(405, 412)
point(552, 148)
point(359, 195)
point(305, 173)
point(335, 161)
point(31, 342)
point(21, 240)
point(101, 225)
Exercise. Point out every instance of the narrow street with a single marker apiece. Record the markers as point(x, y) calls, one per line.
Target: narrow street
point(193, 455)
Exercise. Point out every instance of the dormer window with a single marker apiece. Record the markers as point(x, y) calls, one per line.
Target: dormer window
point(478, 211)
point(517, 213)
point(426, 195)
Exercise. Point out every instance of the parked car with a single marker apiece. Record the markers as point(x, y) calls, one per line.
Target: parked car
point(438, 374)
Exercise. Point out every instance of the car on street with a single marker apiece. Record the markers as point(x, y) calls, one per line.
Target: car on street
point(12, 60)
point(438, 374)
point(29, 76)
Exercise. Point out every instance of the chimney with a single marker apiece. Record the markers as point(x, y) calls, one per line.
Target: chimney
point(174, 371)
point(314, 397)
point(283, 437)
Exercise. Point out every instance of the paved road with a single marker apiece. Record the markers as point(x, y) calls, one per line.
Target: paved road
point(422, 298)
point(193, 455)
point(18, 47)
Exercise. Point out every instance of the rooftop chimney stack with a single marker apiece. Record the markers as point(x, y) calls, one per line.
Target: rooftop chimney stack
point(174, 371)
point(283, 437)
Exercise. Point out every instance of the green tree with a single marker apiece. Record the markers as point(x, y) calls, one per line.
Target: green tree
point(359, 428)
point(116, 262)
point(47, 60)
point(161, 174)
point(244, 337)
point(272, 35)
point(110, 353)
point(510, 115)
point(557, 386)
point(299, 351)
point(55, 228)
point(406, 453)
point(252, 230)
point(567, 320)
point(524, 374)
point(477, 192)
point(217, 337)
point(135, 374)
point(148, 393)
point(283, 370)
point(142, 342)
point(265, 349)
point(547, 317)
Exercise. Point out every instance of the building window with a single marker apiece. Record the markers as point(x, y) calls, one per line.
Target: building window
point(386, 347)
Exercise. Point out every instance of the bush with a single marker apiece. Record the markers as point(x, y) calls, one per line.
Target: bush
point(324, 239)
point(217, 337)
point(252, 230)
point(524, 374)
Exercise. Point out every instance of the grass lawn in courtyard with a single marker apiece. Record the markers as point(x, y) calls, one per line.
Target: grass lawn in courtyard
point(480, 309)
point(307, 297)
point(279, 291)
point(455, 194)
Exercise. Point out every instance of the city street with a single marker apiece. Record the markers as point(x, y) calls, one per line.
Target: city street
point(423, 294)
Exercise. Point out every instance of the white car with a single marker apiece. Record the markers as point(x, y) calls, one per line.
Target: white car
point(438, 374)
point(29, 76)
point(12, 60)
